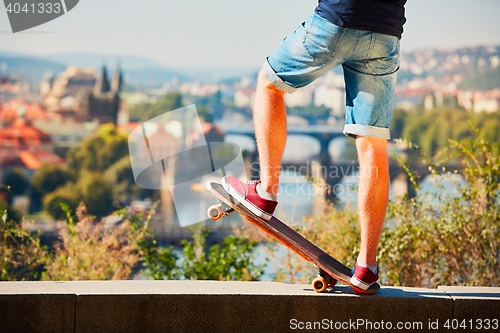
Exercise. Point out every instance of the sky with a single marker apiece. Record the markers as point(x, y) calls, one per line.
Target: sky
point(225, 33)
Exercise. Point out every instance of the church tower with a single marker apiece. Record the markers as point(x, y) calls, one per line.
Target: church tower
point(102, 83)
point(117, 79)
point(102, 103)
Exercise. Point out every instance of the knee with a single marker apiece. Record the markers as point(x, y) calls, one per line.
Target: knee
point(371, 149)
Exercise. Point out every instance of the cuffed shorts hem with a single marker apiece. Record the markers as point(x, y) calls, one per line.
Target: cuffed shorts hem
point(275, 79)
point(368, 131)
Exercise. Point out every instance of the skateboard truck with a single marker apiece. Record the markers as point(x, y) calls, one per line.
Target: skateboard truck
point(216, 212)
point(323, 281)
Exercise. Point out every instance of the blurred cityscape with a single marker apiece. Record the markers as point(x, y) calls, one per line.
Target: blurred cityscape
point(49, 106)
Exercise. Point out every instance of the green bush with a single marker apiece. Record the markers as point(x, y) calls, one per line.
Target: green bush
point(449, 239)
point(22, 257)
point(160, 263)
point(231, 260)
point(66, 194)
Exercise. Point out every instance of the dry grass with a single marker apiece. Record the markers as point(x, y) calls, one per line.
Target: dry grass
point(90, 251)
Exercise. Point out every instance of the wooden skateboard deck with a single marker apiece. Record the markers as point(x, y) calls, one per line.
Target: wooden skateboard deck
point(331, 270)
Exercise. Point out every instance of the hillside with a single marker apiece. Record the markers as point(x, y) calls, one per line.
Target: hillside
point(486, 80)
point(477, 67)
point(30, 69)
point(139, 72)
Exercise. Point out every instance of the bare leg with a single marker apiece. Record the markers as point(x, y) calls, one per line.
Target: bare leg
point(270, 131)
point(373, 194)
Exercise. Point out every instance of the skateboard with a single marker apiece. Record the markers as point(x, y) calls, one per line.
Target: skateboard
point(330, 270)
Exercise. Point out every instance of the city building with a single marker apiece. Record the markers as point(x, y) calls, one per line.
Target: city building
point(85, 96)
point(25, 147)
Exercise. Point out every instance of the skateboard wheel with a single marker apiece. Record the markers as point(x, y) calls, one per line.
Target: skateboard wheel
point(319, 284)
point(214, 212)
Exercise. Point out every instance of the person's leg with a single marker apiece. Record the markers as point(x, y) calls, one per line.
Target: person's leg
point(297, 62)
point(370, 77)
point(373, 195)
point(270, 131)
point(269, 114)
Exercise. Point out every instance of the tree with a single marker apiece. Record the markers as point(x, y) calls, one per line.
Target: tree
point(66, 194)
point(95, 193)
point(121, 177)
point(145, 111)
point(430, 130)
point(398, 121)
point(16, 182)
point(204, 114)
point(485, 80)
point(49, 177)
point(99, 151)
point(102, 174)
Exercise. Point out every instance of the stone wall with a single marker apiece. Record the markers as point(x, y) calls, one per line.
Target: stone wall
point(212, 306)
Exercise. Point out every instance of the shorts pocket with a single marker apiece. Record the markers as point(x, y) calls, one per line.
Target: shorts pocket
point(383, 56)
point(321, 38)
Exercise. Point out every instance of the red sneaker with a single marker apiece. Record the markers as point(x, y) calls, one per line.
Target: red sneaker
point(363, 277)
point(245, 192)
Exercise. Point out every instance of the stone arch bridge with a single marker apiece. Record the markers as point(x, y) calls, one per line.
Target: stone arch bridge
point(332, 171)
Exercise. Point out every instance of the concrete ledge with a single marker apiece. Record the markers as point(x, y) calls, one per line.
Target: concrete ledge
point(36, 307)
point(211, 306)
point(474, 302)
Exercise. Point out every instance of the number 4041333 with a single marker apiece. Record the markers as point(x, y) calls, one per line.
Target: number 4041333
point(40, 8)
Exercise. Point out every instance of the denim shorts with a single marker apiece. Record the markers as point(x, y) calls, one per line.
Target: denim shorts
point(370, 62)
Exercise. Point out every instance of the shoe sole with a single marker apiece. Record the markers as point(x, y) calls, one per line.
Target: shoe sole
point(360, 285)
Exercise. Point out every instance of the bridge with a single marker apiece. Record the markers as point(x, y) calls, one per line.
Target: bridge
point(331, 170)
point(323, 133)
